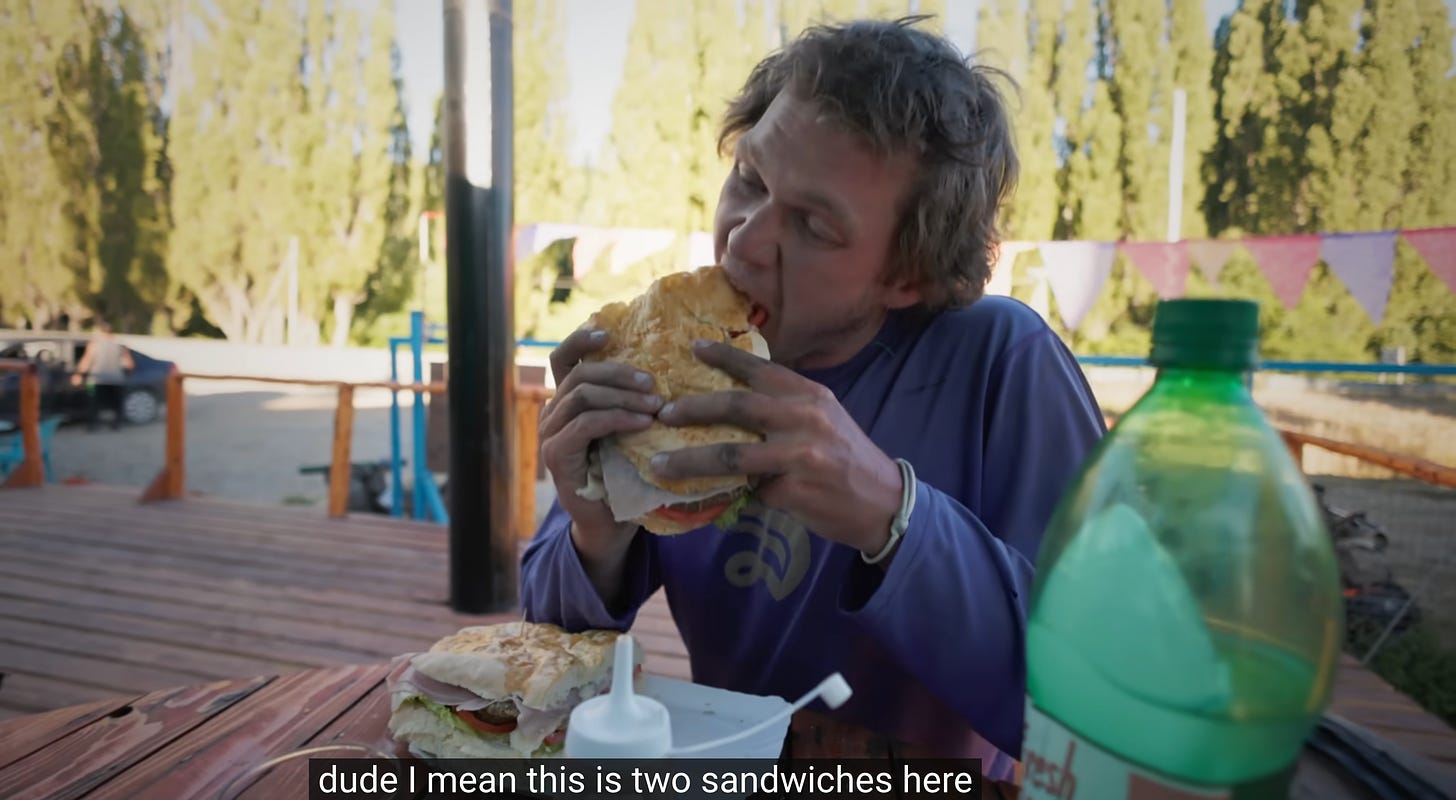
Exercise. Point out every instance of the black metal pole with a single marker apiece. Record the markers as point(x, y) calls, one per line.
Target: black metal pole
point(477, 125)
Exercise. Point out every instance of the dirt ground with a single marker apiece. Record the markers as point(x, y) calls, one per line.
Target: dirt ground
point(243, 442)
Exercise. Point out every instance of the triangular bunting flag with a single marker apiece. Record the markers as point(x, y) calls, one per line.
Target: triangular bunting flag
point(525, 239)
point(1365, 263)
point(1438, 247)
point(633, 245)
point(1000, 282)
point(589, 246)
point(536, 237)
point(1286, 262)
point(1164, 264)
point(1211, 255)
point(1077, 272)
point(700, 249)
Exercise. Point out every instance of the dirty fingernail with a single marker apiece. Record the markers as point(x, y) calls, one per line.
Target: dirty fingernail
point(668, 409)
point(597, 336)
point(659, 461)
point(642, 378)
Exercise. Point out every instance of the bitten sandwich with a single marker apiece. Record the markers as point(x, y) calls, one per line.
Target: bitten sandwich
point(655, 333)
point(498, 691)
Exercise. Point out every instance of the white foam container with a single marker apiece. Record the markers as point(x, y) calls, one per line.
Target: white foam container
point(702, 713)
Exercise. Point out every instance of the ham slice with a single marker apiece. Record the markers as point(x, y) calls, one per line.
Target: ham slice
point(631, 496)
point(405, 681)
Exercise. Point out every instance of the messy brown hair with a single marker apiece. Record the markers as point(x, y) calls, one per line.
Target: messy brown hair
point(900, 89)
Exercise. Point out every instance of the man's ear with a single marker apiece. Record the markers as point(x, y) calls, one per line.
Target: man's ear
point(902, 293)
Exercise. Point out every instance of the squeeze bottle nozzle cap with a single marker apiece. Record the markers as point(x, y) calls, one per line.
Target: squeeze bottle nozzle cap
point(621, 723)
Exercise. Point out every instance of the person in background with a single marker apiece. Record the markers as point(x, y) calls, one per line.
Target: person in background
point(917, 435)
point(103, 367)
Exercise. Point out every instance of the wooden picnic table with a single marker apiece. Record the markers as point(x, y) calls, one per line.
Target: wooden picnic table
point(194, 741)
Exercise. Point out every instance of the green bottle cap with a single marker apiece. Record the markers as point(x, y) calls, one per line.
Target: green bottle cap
point(1206, 334)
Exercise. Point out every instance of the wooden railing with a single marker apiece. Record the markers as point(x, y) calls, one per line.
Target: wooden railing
point(1419, 468)
point(31, 471)
point(170, 483)
point(529, 400)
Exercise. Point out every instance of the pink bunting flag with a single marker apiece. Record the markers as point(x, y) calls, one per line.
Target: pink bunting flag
point(1438, 247)
point(634, 244)
point(1000, 282)
point(1211, 255)
point(1164, 264)
point(1365, 263)
point(525, 242)
point(700, 250)
point(590, 244)
point(1286, 262)
point(1077, 271)
point(532, 239)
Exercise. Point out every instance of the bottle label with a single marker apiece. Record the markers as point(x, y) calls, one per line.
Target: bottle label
point(1062, 765)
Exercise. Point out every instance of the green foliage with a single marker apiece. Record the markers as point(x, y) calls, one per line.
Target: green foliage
point(1418, 664)
point(287, 124)
point(83, 185)
point(547, 187)
point(291, 131)
point(683, 65)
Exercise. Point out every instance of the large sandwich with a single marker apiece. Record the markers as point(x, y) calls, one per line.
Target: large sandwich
point(498, 691)
point(655, 332)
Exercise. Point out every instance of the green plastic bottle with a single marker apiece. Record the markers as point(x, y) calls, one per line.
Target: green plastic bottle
point(1186, 617)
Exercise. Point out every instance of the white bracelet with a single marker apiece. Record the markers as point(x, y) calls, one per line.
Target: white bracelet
point(902, 516)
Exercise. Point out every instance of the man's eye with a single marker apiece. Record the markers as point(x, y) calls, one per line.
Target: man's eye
point(747, 176)
point(816, 228)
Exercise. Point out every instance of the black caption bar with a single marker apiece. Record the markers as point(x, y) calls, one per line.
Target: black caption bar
point(651, 779)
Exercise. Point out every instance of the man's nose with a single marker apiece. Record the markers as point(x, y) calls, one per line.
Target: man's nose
point(755, 242)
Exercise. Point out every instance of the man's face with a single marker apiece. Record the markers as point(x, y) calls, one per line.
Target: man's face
point(804, 228)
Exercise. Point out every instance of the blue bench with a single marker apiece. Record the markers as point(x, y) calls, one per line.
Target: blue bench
point(12, 448)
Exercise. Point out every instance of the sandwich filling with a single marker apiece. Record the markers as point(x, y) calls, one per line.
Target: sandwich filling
point(611, 476)
point(506, 721)
point(502, 690)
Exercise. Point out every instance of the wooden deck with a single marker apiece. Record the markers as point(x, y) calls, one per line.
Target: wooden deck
point(102, 597)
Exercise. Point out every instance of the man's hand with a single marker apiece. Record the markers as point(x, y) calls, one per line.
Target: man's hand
point(815, 462)
point(593, 399)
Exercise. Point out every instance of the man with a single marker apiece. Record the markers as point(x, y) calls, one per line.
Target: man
point(104, 365)
point(869, 162)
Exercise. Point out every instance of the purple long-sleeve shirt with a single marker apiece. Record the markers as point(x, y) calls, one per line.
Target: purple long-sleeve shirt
point(994, 414)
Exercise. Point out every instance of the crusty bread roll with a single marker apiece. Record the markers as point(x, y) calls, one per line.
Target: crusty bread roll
point(524, 677)
point(538, 662)
point(655, 333)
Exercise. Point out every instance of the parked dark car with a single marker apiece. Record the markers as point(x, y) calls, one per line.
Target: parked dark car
point(57, 355)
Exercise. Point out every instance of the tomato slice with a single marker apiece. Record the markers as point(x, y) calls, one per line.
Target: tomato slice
point(469, 718)
point(700, 517)
point(555, 737)
point(758, 317)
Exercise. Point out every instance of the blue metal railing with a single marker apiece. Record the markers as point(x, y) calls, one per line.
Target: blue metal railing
point(1296, 366)
point(426, 496)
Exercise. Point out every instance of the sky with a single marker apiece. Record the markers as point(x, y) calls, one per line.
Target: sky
point(596, 44)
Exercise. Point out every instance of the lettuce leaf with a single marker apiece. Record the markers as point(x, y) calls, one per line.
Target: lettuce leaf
point(730, 514)
point(447, 715)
